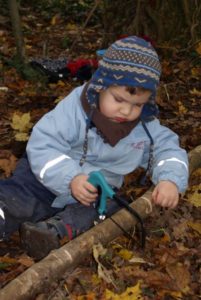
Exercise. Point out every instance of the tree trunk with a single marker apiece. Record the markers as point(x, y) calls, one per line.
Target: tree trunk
point(15, 19)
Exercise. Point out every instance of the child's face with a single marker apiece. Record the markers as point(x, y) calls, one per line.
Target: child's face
point(118, 105)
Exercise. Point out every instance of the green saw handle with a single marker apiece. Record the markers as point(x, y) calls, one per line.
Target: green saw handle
point(97, 179)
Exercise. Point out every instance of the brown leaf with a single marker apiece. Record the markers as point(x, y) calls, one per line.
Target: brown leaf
point(181, 276)
point(8, 165)
point(26, 261)
point(180, 229)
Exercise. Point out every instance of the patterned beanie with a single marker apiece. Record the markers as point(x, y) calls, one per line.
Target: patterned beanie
point(132, 62)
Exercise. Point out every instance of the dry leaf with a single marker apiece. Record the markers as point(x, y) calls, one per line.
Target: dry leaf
point(106, 275)
point(195, 92)
point(139, 260)
point(21, 137)
point(125, 254)
point(198, 48)
point(26, 261)
point(181, 276)
point(22, 122)
point(195, 198)
point(131, 293)
point(8, 165)
point(174, 294)
point(195, 226)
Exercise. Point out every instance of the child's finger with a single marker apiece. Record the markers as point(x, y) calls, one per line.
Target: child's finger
point(154, 194)
point(90, 187)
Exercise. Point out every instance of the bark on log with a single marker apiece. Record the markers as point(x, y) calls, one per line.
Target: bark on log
point(194, 159)
point(38, 277)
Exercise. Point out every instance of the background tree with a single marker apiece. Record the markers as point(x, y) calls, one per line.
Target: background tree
point(164, 21)
point(16, 25)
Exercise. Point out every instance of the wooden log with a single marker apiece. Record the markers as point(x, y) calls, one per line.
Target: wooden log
point(194, 159)
point(39, 277)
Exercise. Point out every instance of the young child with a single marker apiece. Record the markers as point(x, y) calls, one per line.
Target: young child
point(108, 124)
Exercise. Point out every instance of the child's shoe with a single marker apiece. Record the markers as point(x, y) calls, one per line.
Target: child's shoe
point(40, 238)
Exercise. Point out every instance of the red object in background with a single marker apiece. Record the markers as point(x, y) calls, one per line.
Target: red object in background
point(122, 36)
point(74, 66)
point(145, 37)
point(148, 39)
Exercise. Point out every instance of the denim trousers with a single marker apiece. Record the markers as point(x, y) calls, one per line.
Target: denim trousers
point(23, 198)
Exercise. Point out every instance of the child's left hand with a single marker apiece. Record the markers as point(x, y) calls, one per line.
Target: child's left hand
point(166, 194)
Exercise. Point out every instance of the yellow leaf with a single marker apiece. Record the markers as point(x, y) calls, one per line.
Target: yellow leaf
point(174, 294)
point(195, 72)
point(55, 19)
point(195, 226)
point(195, 92)
point(21, 137)
point(131, 293)
point(95, 279)
point(125, 254)
point(139, 260)
point(71, 27)
point(60, 83)
point(89, 296)
point(181, 107)
point(195, 198)
point(57, 100)
point(22, 122)
point(198, 48)
point(28, 46)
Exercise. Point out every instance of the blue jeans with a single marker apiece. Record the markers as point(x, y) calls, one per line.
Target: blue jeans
point(23, 198)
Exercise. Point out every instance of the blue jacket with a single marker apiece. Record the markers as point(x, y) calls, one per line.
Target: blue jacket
point(56, 146)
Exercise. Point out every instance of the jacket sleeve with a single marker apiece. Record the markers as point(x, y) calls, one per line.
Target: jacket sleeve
point(49, 146)
point(170, 161)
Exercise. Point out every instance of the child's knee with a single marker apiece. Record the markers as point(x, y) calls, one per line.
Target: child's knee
point(2, 223)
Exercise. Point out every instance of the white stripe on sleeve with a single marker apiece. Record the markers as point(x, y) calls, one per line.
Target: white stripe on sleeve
point(2, 214)
point(172, 159)
point(52, 163)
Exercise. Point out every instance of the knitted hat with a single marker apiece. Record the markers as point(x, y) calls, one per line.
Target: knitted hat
point(132, 62)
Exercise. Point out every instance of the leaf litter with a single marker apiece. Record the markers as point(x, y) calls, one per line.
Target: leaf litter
point(170, 266)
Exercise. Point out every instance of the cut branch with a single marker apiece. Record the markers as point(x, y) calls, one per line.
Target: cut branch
point(194, 159)
point(39, 277)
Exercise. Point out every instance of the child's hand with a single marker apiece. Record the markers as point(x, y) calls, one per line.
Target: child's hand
point(82, 190)
point(166, 194)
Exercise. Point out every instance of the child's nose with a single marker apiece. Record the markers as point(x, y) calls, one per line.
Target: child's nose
point(126, 109)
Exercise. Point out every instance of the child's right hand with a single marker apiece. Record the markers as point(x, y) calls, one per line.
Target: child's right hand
point(82, 190)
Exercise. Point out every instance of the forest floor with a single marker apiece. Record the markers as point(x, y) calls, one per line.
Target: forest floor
point(170, 266)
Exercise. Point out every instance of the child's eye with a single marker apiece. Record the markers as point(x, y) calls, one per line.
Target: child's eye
point(139, 105)
point(118, 100)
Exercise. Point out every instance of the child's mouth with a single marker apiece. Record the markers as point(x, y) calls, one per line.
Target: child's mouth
point(120, 120)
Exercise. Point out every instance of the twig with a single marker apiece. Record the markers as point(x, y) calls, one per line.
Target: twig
point(168, 96)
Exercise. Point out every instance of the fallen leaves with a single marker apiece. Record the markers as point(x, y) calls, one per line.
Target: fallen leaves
point(21, 123)
point(181, 276)
point(131, 293)
point(7, 162)
point(195, 226)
